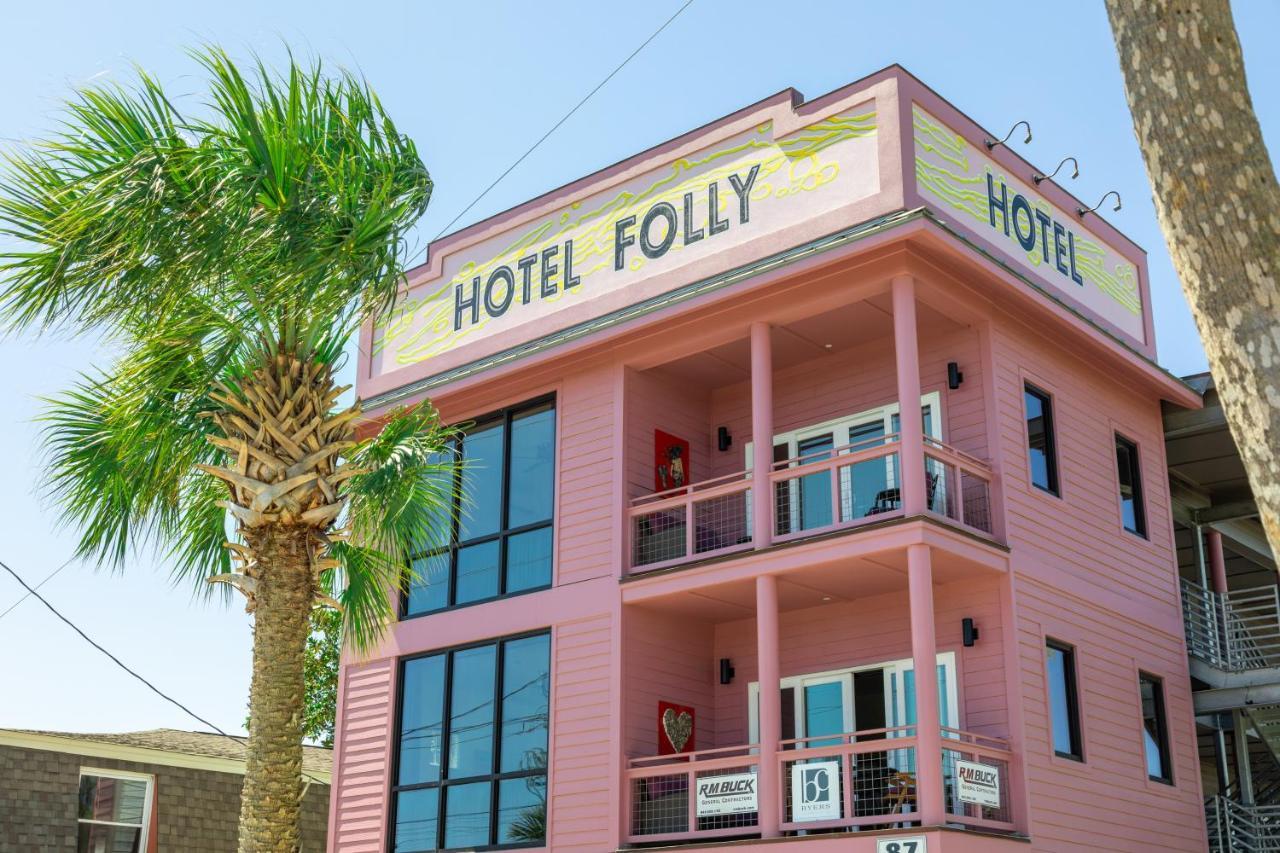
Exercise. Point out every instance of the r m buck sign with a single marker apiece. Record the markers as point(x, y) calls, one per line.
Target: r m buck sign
point(978, 784)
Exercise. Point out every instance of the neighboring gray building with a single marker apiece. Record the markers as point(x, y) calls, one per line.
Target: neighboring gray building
point(137, 792)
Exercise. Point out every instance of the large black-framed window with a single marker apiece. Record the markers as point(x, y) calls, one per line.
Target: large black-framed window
point(1129, 473)
point(1155, 729)
point(501, 542)
point(1064, 700)
point(1042, 450)
point(471, 759)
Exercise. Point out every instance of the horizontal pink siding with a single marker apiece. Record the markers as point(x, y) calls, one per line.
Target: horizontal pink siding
point(666, 658)
point(362, 744)
point(585, 522)
point(1083, 580)
point(855, 380)
point(582, 809)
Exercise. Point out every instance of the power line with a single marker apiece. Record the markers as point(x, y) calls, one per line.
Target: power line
point(47, 578)
point(557, 125)
point(156, 690)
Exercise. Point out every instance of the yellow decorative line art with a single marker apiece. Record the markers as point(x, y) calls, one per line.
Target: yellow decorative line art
point(956, 185)
point(423, 326)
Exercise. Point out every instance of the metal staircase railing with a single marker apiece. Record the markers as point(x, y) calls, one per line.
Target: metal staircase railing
point(1236, 828)
point(1235, 631)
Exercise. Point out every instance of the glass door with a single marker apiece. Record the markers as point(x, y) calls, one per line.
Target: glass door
point(814, 490)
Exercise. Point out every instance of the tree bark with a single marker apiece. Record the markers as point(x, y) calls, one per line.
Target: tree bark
point(1219, 206)
point(271, 800)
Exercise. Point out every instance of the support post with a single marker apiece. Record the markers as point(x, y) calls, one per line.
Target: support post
point(768, 779)
point(910, 424)
point(924, 656)
point(761, 435)
point(1217, 561)
point(1244, 771)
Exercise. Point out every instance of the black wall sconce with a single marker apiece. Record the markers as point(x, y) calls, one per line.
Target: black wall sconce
point(954, 376)
point(967, 628)
point(992, 143)
point(723, 439)
point(726, 671)
point(1084, 211)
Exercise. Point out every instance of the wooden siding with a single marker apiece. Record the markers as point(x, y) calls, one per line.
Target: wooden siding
point(361, 783)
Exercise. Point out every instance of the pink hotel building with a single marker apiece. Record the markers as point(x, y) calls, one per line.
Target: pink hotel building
point(631, 638)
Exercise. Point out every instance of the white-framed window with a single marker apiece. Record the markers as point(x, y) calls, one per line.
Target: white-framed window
point(866, 488)
point(826, 703)
point(114, 811)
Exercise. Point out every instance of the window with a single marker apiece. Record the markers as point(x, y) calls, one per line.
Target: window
point(1042, 453)
point(472, 758)
point(114, 811)
point(1129, 471)
point(501, 540)
point(1064, 702)
point(1155, 733)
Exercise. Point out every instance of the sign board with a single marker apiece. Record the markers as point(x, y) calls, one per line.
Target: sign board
point(734, 793)
point(902, 844)
point(1049, 245)
point(539, 277)
point(815, 791)
point(978, 784)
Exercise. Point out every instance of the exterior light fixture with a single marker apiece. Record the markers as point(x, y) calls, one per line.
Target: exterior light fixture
point(991, 143)
point(968, 629)
point(723, 440)
point(726, 671)
point(954, 376)
point(1081, 211)
point(1075, 171)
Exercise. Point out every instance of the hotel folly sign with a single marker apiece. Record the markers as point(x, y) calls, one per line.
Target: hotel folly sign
point(720, 199)
point(726, 205)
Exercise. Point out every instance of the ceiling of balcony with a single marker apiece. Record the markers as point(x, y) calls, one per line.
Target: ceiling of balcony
point(807, 339)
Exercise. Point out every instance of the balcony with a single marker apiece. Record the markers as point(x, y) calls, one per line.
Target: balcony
point(816, 402)
point(874, 772)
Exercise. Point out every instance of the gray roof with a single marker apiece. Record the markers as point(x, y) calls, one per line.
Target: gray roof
point(315, 759)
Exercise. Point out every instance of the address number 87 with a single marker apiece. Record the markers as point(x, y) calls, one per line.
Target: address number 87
point(901, 844)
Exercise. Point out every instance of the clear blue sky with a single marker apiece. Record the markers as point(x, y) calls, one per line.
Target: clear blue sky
point(475, 84)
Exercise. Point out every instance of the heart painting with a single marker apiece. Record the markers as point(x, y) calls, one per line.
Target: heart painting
point(678, 727)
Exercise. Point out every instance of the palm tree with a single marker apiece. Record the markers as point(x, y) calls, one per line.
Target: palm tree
point(229, 256)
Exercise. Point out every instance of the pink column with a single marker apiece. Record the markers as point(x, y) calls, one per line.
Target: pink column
point(911, 428)
point(768, 783)
point(1217, 560)
point(761, 434)
point(924, 656)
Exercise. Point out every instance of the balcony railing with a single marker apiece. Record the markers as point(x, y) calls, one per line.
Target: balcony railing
point(855, 781)
point(1236, 828)
point(814, 493)
point(1234, 631)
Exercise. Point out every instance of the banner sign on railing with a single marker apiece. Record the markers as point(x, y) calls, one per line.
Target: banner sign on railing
point(978, 784)
point(815, 791)
point(733, 793)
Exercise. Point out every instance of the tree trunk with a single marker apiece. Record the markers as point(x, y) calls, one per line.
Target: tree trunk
point(1219, 206)
point(271, 801)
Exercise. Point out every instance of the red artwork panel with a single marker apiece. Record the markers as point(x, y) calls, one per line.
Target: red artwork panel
point(670, 461)
point(676, 730)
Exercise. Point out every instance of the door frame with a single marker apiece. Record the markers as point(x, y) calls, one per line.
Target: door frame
point(947, 659)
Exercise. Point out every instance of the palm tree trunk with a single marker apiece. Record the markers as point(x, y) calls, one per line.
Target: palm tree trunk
point(1218, 202)
point(271, 802)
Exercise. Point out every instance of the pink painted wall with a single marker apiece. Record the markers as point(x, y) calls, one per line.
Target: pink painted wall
point(1083, 580)
point(869, 631)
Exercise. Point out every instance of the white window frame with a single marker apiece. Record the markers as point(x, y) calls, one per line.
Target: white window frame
point(127, 776)
point(897, 667)
point(839, 429)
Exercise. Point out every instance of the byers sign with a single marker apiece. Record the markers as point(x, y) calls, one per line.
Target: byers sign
point(1049, 245)
point(723, 197)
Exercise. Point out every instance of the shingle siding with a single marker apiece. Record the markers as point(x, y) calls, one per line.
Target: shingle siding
point(197, 810)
